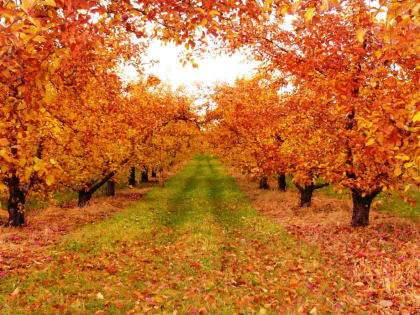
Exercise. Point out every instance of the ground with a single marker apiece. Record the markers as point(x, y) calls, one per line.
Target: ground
point(198, 245)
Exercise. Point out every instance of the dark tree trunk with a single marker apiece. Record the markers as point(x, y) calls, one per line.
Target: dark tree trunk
point(110, 188)
point(281, 182)
point(305, 195)
point(153, 173)
point(84, 198)
point(132, 178)
point(15, 203)
point(86, 194)
point(144, 177)
point(17, 195)
point(264, 183)
point(361, 207)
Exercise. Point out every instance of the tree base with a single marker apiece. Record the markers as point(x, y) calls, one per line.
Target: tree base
point(281, 182)
point(264, 183)
point(361, 207)
point(110, 188)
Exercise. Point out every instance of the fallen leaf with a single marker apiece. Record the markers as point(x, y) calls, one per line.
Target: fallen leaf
point(385, 303)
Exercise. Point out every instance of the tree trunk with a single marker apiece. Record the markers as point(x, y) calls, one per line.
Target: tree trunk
point(84, 198)
point(281, 182)
point(361, 207)
point(110, 188)
point(16, 203)
point(144, 177)
point(153, 173)
point(305, 195)
point(132, 178)
point(86, 195)
point(264, 183)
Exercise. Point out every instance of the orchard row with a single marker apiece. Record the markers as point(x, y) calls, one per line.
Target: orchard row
point(336, 101)
point(68, 120)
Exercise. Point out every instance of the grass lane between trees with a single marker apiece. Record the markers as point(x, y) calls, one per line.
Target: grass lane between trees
point(194, 246)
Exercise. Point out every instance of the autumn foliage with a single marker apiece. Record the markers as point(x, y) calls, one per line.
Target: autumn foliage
point(336, 101)
point(68, 121)
point(347, 112)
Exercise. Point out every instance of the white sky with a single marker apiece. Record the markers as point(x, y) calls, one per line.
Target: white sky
point(211, 68)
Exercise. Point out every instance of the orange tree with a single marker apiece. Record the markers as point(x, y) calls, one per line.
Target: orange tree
point(263, 132)
point(49, 52)
point(44, 45)
point(366, 70)
point(32, 49)
point(120, 133)
point(310, 149)
point(245, 132)
point(173, 127)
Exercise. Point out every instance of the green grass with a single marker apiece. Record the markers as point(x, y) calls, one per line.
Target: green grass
point(195, 244)
point(391, 202)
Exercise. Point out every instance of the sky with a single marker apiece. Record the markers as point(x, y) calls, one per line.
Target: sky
point(211, 68)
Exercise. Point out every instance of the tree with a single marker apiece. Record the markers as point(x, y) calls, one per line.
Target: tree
point(347, 58)
point(49, 50)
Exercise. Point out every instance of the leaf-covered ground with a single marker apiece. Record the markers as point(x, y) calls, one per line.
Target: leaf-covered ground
point(45, 227)
point(381, 262)
point(194, 246)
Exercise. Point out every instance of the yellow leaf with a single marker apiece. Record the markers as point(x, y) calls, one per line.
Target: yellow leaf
point(5, 156)
point(25, 36)
point(3, 187)
point(397, 172)
point(408, 165)
point(370, 142)
point(267, 4)
point(33, 30)
point(56, 63)
point(22, 163)
point(309, 14)
point(50, 180)
point(284, 10)
point(360, 35)
point(49, 2)
point(204, 22)
point(40, 39)
point(201, 11)
point(22, 105)
point(403, 157)
point(214, 12)
point(27, 4)
point(416, 117)
point(325, 6)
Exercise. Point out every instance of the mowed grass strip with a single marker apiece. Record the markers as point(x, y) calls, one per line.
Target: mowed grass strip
point(194, 246)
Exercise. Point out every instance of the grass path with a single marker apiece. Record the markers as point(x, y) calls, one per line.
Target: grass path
point(194, 246)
